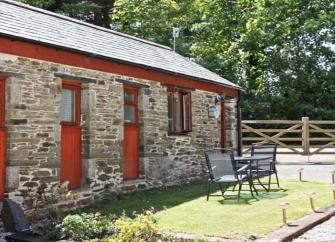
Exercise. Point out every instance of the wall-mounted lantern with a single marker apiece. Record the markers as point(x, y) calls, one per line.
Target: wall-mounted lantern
point(214, 110)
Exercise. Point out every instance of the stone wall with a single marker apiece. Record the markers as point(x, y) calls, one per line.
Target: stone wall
point(33, 122)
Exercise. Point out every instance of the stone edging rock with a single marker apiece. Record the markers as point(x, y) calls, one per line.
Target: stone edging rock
point(300, 226)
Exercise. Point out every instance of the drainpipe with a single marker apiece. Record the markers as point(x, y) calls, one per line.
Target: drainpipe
point(239, 126)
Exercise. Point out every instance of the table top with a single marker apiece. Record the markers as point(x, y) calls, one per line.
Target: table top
point(252, 158)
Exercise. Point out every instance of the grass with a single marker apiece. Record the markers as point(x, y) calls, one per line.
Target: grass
point(185, 209)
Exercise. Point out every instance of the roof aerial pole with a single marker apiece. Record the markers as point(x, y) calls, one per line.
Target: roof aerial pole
point(175, 34)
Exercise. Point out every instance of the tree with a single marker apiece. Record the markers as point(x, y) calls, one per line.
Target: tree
point(95, 11)
point(281, 52)
point(153, 20)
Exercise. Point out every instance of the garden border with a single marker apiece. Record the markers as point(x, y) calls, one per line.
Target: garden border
point(300, 226)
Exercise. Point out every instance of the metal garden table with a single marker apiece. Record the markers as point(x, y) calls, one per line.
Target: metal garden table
point(250, 160)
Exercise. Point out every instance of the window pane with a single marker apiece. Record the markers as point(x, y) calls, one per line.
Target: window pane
point(178, 110)
point(68, 105)
point(129, 114)
point(170, 111)
point(186, 109)
point(129, 97)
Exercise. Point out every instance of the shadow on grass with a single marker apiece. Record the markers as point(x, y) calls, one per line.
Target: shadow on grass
point(249, 199)
point(164, 198)
point(157, 199)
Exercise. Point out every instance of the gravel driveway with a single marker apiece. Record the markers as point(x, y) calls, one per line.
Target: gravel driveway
point(323, 232)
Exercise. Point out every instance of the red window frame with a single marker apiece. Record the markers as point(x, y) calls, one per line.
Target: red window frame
point(134, 103)
point(2, 102)
point(76, 87)
point(179, 93)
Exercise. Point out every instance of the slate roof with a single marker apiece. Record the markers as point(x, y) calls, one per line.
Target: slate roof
point(21, 21)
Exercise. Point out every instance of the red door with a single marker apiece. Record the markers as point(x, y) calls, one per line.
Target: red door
point(131, 134)
point(2, 139)
point(71, 135)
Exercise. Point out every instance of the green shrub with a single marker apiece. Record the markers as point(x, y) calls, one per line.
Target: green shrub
point(48, 229)
point(81, 227)
point(77, 227)
point(140, 229)
point(86, 226)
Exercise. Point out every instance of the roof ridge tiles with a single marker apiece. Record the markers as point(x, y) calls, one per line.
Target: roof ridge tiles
point(57, 15)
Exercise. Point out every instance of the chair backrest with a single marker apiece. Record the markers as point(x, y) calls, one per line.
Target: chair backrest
point(219, 163)
point(264, 149)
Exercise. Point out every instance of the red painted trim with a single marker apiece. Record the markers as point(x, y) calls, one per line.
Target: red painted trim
point(25, 49)
point(2, 101)
point(3, 149)
point(223, 124)
point(3, 138)
point(173, 91)
point(190, 112)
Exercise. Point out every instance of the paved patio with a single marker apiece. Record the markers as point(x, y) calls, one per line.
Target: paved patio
point(328, 157)
point(316, 167)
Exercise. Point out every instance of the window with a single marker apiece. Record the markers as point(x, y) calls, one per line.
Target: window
point(70, 113)
point(68, 105)
point(130, 105)
point(179, 111)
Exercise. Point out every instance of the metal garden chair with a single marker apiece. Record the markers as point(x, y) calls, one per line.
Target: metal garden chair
point(265, 168)
point(223, 171)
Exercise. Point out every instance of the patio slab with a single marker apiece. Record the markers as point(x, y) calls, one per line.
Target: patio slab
point(311, 172)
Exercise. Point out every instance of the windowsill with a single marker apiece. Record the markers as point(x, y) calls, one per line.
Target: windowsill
point(178, 133)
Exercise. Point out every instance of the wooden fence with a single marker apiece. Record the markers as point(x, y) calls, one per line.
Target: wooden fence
point(306, 137)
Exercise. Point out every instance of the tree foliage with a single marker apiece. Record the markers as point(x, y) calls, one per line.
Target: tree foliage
point(281, 52)
point(95, 11)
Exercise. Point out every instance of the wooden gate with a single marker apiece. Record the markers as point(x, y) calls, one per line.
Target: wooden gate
point(3, 144)
point(306, 137)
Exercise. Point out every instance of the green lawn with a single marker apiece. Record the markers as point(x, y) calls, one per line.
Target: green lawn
point(185, 208)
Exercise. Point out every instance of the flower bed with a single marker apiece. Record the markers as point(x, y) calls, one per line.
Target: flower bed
point(96, 227)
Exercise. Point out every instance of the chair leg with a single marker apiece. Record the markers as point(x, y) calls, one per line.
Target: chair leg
point(260, 183)
point(277, 178)
point(239, 191)
point(250, 186)
point(234, 187)
point(209, 189)
point(269, 184)
point(271, 170)
point(252, 183)
point(223, 190)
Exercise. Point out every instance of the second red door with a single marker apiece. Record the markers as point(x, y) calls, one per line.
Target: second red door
point(3, 144)
point(131, 134)
point(71, 135)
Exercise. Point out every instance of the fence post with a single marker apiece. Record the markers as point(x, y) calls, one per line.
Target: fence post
point(305, 135)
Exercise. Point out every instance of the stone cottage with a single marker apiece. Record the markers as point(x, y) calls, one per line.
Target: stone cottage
point(101, 109)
